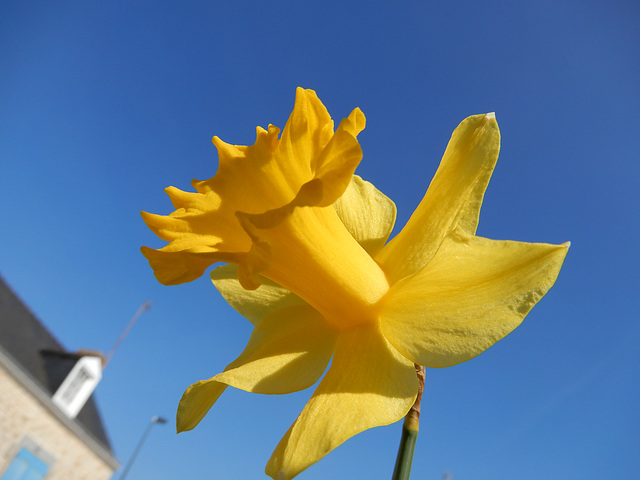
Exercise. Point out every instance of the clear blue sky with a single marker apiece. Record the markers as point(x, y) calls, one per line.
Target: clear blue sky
point(103, 104)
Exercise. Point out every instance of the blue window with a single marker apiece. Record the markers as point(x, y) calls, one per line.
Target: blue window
point(25, 466)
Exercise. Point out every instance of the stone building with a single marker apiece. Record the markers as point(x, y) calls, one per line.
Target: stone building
point(50, 427)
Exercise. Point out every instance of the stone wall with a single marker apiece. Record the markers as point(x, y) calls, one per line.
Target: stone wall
point(25, 420)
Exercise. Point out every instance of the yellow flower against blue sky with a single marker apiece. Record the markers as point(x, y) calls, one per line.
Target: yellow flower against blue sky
point(104, 104)
point(312, 270)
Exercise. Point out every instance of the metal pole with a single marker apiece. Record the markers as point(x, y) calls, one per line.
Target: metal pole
point(141, 309)
point(139, 446)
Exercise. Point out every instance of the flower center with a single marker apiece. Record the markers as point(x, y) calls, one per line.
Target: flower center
point(315, 257)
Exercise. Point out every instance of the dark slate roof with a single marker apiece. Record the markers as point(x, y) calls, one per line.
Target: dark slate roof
point(41, 356)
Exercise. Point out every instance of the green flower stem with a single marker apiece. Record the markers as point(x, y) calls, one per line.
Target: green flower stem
point(410, 428)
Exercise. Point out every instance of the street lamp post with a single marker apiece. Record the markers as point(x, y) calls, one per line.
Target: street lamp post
point(153, 421)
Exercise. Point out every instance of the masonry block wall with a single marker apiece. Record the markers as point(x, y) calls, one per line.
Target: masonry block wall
point(68, 456)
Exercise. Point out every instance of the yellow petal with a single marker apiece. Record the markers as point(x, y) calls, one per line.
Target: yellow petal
point(339, 159)
point(474, 292)
point(171, 268)
point(367, 214)
point(288, 351)
point(196, 402)
point(316, 258)
point(453, 198)
point(252, 304)
point(369, 384)
point(309, 166)
point(308, 130)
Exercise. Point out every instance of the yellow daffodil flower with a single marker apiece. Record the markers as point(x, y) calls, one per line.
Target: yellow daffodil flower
point(310, 267)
